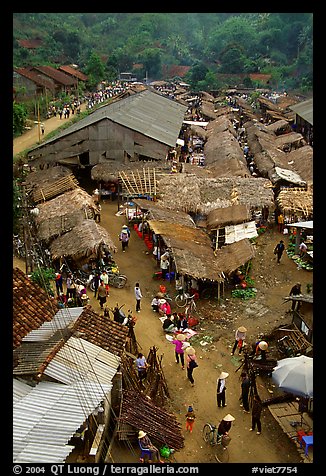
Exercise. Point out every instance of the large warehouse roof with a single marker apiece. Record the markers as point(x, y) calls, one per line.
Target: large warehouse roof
point(146, 112)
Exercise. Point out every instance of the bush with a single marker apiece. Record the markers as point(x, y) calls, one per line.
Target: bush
point(44, 277)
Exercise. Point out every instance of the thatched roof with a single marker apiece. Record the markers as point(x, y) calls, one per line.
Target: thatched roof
point(201, 195)
point(198, 131)
point(268, 151)
point(291, 139)
point(83, 241)
point(223, 155)
point(296, 201)
point(193, 254)
point(207, 110)
point(233, 215)
point(62, 213)
point(279, 127)
point(109, 170)
point(46, 176)
point(158, 213)
point(301, 160)
point(48, 183)
point(236, 254)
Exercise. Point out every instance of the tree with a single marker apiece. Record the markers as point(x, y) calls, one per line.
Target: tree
point(151, 59)
point(95, 70)
point(19, 118)
point(232, 61)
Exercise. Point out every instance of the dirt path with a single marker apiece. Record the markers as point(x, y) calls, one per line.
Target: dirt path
point(33, 136)
point(272, 446)
point(261, 314)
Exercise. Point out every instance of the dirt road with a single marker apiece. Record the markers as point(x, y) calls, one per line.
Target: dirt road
point(260, 314)
point(34, 136)
point(273, 282)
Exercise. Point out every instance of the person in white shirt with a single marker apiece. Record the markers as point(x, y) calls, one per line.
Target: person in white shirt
point(138, 296)
point(220, 390)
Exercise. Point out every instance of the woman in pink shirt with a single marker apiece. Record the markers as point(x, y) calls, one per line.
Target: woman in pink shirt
point(179, 352)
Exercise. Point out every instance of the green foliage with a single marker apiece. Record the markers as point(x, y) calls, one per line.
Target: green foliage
point(44, 278)
point(245, 294)
point(19, 118)
point(237, 43)
point(95, 70)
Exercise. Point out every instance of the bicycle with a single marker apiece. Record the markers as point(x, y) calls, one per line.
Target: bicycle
point(183, 299)
point(115, 280)
point(211, 436)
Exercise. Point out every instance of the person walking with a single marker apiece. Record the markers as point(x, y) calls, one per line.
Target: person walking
point(96, 281)
point(220, 390)
point(280, 222)
point(278, 250)
point(124, 237)
point(69, 281)
point(245, 388)
point(138, 296)
point(240, 335)
point(191, 363)
point(190, 419)
point(142, 366)
point(58, 283)
point(179, 351)
point(102, 293)
point(104, 277)
point(256, 410)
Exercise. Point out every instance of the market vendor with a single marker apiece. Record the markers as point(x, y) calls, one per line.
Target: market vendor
point(261, 349)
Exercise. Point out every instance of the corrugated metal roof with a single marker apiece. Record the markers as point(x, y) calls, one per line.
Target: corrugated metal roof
point(46, 418)
point(146, 112)
point(305, 110)
point(20, 390)
point(79, 358)
point(60, 321)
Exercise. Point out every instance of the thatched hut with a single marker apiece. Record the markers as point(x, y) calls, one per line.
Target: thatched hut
point(228, 215)
point(84, 242)
point(50, 182)
point(301, 160)
point(193, 255)
point(207, 110)
point(154, 211)
point(198, 195)
point(137, 177)
point(61, 214)
point(268, 152)
point(296, 203)
point(289, 141)
point(224, 156)
point(279, 127)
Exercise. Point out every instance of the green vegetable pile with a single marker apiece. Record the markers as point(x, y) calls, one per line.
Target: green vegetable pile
point(246, 293)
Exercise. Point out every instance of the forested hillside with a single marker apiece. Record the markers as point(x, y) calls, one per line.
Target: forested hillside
point(279, 44)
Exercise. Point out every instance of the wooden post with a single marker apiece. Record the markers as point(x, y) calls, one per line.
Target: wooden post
point(38, 121)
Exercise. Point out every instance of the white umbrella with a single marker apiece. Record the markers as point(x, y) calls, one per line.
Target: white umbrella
point(295, 375)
